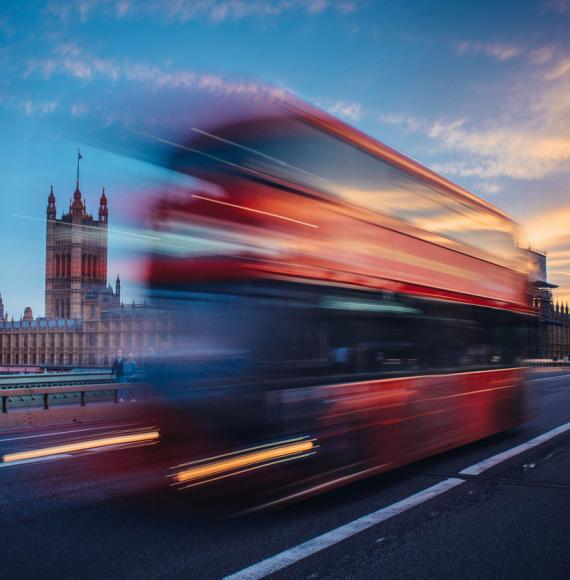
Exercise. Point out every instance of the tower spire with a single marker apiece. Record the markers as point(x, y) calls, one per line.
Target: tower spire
point(77, 207)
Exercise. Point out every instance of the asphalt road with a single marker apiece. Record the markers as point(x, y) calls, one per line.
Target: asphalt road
point(101, 515)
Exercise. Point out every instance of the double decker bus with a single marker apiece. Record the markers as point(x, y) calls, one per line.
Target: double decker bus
point(339, 309)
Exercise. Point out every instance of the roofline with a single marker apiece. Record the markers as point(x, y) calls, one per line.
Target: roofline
point(324, 120)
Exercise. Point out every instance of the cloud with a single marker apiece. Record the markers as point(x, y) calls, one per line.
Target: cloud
point(87, 67)
point(559, 70)
point(542, 54)
point(184, 10)
point(519, 152)
point(31, 108)
point(550, 230)
point(498, 51)
point(528, 138)
point(487, 187)
point(563, 255)
point(409, 122)
point(78, 110)
point(352, 111)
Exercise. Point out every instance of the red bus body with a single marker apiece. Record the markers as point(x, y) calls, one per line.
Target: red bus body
point(256, 227)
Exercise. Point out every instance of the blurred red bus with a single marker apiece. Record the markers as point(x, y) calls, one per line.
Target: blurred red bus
point(340, 309)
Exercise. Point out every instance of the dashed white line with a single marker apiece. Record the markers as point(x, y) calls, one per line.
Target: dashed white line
point(328, 539)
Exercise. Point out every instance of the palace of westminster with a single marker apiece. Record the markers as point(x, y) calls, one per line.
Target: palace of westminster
point(85, 321)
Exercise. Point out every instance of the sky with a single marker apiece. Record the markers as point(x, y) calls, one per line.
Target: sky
point(478, 91)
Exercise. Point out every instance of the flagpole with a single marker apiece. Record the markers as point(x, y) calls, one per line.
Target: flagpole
point(78, 158)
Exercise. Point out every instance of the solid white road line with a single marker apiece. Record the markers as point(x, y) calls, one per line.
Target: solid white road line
point(280, 561)
point(328, 539)
point(478, 468)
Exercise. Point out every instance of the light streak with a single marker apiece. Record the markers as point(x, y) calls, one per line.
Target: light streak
point(85, 227)
point(275, 215)
point(242, 461)
point(240, 452)
point(81, 446)
point(261, 154)
point(247, 469)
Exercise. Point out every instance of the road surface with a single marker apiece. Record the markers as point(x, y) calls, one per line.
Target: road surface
point(457, 515)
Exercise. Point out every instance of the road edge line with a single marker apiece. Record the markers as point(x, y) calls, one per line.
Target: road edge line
point(286, 558)
point(301, 551)
point(482, 466)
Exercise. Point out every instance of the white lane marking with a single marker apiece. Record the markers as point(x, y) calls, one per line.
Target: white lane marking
point(35, 460)
point(288, 557)
point(63, 432)
point(551, 378)
point(478, 468)
point(328, 539)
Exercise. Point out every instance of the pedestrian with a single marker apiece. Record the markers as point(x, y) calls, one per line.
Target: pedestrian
point(130, 369)
point(118, 370)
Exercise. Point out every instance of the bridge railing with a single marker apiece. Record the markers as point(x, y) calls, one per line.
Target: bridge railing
point(55, 379)
point(45, 395)
point(546, 363)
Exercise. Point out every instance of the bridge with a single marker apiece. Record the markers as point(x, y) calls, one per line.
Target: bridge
point(494, 509)
point(69, 396)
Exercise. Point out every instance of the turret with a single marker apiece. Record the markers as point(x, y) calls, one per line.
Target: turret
point(103, 211)
point(118, 287)
point(77, 207)
point(51, 211)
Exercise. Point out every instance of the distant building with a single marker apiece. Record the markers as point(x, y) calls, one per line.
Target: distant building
point(85, 321)
point(76, 258)
point(550, 336)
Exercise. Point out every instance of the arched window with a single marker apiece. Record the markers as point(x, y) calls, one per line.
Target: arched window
point(57, 266)
point(83, 265)
point(68, 265)
point(95, 267)
point(89, 265)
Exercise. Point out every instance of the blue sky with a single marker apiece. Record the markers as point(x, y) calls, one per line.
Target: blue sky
point(476, 90)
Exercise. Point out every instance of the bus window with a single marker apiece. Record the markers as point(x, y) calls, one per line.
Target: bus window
point(314, 158)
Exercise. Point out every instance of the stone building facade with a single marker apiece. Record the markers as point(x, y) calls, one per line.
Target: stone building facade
point(550, 334)
point(557, 336)
point(85, 322)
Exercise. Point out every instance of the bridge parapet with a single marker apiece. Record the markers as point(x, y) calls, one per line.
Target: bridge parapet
point(30, 396)
point(55, 379)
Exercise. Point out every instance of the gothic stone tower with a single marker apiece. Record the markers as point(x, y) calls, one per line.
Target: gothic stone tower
point(76, 256)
